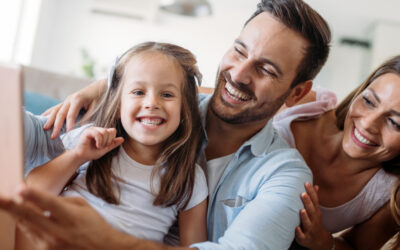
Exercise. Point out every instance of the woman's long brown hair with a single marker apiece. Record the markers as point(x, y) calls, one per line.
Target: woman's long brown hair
point(390, 66)
point(395, 209)
point(175, 165)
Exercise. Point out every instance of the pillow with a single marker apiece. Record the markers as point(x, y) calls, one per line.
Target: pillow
point(37, 103)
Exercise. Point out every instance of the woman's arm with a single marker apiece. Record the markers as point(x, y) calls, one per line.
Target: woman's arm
point(192, 224)
point(54, 175)
point(373, 233)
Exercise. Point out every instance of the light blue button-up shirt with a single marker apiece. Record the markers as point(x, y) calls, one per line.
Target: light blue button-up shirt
point(39, 148)
point(256, 202)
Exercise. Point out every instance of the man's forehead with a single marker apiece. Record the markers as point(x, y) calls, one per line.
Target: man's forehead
point(267, 36)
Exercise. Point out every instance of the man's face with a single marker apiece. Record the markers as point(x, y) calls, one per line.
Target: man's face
point(256, 72)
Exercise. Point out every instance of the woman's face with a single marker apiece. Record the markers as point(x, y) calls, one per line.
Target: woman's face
point(372, 125)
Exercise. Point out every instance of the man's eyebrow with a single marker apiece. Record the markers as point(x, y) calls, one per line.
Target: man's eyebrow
point(263, 60)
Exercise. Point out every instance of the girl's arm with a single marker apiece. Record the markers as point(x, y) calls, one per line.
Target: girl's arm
point(54, 175)
point(192, 224)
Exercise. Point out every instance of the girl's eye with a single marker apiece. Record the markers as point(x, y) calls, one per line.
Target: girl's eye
point(138, 92)
point(368, 101)
point(394, 124)
point(167, 95)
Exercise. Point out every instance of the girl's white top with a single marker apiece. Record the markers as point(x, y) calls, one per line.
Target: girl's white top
point(135, 214)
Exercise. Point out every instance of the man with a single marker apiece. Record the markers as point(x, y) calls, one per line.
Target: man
point(255, 180)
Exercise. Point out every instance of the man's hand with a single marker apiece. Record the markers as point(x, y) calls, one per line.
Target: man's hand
point(60, 222)
point(69, 109)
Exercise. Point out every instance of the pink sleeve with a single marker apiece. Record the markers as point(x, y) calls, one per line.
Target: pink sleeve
point(325, 101)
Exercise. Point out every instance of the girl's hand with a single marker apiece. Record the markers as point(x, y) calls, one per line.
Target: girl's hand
point(312, 234)
point(96, 142)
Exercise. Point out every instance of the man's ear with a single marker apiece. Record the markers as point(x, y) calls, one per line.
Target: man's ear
point(298, 93)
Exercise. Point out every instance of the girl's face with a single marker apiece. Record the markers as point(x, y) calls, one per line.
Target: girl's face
point(372, 125)
point(151, 98)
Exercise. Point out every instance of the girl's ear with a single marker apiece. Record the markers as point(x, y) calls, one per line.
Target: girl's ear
point(298, 93)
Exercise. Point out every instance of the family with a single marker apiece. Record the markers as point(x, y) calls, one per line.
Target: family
point(265, 162)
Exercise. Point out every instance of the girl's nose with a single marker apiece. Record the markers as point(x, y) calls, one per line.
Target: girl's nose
point(151, 102)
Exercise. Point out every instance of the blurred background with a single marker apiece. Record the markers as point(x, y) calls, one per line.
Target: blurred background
point(83, 37)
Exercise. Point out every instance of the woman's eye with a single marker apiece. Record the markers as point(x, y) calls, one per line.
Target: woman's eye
point(368, 102)
point(394, 124)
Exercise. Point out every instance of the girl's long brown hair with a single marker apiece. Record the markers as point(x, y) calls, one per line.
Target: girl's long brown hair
point(176, 163)
point(390, 66)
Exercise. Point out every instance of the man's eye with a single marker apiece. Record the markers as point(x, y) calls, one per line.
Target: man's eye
point(267, 72)
point(239, 51)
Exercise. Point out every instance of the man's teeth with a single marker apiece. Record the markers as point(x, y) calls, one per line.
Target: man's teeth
point(236, 94)
point(151, 122)
point(363, 139)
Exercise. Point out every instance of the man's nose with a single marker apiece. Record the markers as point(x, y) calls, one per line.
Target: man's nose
point(241, 72)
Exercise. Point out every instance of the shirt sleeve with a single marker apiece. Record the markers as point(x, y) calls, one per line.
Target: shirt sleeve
point(269, 220)
point(200, 189)
point(39, 147)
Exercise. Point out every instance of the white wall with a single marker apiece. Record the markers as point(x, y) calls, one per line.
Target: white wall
point(67, 26)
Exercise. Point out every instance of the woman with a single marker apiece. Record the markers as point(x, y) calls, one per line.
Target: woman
point(353, 151)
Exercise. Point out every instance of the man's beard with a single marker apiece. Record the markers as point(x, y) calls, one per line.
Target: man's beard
point(264, 110)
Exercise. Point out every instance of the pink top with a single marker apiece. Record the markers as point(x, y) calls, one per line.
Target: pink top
point(374, 194)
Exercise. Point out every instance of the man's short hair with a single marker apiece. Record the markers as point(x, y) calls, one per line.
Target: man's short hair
point(300, 17)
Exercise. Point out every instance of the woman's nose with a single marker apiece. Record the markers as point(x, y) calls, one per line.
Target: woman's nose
point(371, 122)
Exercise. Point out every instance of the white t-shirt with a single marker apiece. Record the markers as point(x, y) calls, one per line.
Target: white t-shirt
point(136, 214)
point(215, 168)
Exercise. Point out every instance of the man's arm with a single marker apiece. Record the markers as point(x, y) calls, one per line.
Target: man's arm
point(269, 220)
point(70, 223)
point(69, 110)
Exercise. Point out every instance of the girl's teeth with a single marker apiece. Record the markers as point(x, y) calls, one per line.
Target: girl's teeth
point(151, 122)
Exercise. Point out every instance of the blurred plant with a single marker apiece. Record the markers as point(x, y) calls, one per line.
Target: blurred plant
point(88, 64)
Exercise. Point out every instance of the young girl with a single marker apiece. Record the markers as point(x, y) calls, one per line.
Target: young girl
point(142, 186)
